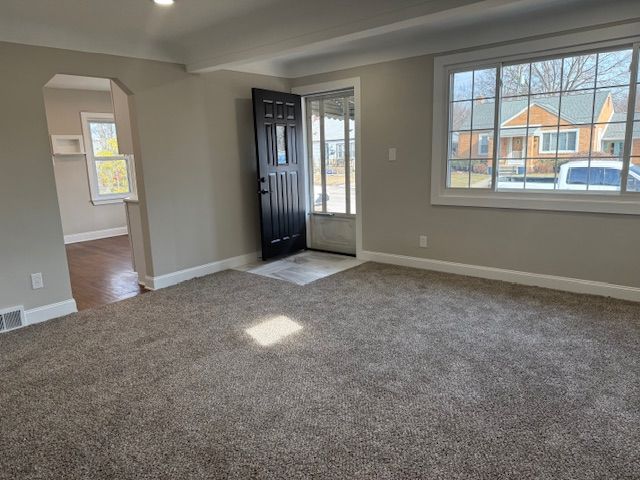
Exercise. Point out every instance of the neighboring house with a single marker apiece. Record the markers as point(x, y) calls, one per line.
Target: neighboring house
point(532, 130)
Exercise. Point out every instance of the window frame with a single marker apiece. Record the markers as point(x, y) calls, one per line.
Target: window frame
point(96, 197)
point(609, 38)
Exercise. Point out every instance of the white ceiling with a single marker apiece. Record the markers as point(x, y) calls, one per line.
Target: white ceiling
point(75, 82)
point(292, 37)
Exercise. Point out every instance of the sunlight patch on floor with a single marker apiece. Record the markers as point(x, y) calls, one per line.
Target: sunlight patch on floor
point(272, 331)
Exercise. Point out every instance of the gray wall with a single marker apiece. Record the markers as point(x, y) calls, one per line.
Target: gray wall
point(78, 214)
point(397, 100)
point(194, 157)
point(201, 190)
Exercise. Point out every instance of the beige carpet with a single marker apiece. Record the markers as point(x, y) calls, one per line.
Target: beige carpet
point(377, 372)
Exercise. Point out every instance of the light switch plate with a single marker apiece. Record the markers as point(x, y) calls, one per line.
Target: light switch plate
point(393, 154)
point(36, 281)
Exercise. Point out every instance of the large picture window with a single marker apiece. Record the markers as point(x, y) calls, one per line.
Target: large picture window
point(561, 123)
point(549, 118)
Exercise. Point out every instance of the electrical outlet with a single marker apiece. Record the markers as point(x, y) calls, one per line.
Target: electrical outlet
point(393, 154)
point(36, 281)
point(423, 241)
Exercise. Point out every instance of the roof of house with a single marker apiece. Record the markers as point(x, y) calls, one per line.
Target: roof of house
point(576, 108)
point(616, 131)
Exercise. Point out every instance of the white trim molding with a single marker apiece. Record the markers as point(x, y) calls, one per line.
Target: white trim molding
point(49, 312)
point(553, 282)
point(95, 235)
point(169, 279)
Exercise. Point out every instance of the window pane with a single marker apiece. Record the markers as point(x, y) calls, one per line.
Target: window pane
point(513, 142)
point(461, 115)
point(103, 139)
point(515, 79)
point(579, 72)
point(113, 176)
point(544, 109)
point(314, 152)
point(633, 180)
point(511, 173)
point(635, 140)
point(541, 174)
point(546, 76)
point(484, 83)
point(458, 173)
point(352, 154)
point(614, 68)
point(335, 155)
point(482, 144)
point(573, 174)
point(480, 175)
point(513, 111)
point(608, 140)
point(462, 86)
point(577, 107)
point(459, 145)
point(484, 113)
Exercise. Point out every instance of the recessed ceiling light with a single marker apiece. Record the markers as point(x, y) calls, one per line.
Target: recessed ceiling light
point(163, 2)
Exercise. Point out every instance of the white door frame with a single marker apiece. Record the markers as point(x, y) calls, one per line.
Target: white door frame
point(325, 87)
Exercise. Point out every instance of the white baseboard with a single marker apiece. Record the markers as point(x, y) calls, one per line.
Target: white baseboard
point(95, 235)
point(48, 312)
point(163, 281)
point(568, 284)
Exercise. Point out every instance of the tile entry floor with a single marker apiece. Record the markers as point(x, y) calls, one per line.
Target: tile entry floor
point(304, 267)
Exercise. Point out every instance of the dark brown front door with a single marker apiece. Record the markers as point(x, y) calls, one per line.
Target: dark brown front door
point(278, 128)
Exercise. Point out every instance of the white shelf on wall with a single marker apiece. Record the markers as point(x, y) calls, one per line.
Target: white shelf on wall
point(67, 145)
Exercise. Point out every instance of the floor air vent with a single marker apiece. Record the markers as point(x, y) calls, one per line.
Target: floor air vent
point(11, 318)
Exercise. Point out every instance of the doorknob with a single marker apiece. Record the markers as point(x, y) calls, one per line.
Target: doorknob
point(263, 191)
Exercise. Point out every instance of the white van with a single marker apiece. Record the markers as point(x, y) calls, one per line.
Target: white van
point(602, 175)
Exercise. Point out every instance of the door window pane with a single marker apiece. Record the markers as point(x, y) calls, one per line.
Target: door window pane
point(281, 144)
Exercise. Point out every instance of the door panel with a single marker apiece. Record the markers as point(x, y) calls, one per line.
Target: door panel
point(333, 233)
point(278, 121)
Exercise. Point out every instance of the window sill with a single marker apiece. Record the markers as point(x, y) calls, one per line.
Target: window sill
point(627, 204)
point(108, 201)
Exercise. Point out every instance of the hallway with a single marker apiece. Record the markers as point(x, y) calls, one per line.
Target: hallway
point(101, 272)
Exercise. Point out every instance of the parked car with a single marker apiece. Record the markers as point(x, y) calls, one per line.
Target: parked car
point(602, 175)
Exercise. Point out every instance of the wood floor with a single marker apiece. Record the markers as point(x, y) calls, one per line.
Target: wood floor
point(101, 272)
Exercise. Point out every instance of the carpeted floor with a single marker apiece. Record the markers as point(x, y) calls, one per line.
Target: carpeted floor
point(395, 373)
